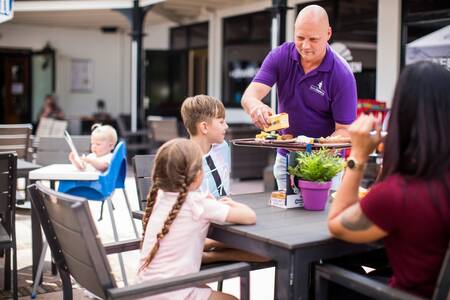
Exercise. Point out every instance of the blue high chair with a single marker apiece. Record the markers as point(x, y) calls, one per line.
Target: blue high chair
point(103, 188)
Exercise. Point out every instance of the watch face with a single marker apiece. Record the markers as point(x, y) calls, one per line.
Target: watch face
point(351, 163)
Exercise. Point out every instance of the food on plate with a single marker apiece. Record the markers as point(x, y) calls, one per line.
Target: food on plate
point(272, 136)
point(334, 139)
point(277, 122)
point(303, 139)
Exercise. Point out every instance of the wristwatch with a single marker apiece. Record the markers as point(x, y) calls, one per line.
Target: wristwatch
point(353, 164)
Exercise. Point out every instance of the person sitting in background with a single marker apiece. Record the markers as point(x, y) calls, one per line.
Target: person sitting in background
point(51, 109)
point(409, 208)
point(103, 141)
point(101, 116)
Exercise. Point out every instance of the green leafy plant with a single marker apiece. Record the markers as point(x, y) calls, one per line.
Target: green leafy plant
point(320, 166)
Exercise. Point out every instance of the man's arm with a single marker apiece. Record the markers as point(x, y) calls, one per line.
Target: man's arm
point(341, 130)
point(253, 105)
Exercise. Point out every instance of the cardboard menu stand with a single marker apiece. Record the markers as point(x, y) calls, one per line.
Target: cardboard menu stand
point(291, 197)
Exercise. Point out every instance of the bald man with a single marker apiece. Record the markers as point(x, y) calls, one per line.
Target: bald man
point(316, 87)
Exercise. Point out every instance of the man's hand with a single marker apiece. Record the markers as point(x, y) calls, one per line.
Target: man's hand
point(260, 114)
point(252, 103)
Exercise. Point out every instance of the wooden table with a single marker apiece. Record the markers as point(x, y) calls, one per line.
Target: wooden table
point(55, 172)
point(293, 238)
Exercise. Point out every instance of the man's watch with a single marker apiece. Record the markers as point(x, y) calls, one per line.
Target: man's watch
point(353, 164)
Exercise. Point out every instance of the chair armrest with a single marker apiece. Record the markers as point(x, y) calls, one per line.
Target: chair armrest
point(122, 246)
point(180, 282)
point(138, 214)
point(356, 282)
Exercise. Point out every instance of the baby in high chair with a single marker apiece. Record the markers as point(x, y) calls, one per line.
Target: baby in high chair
point(103, 141)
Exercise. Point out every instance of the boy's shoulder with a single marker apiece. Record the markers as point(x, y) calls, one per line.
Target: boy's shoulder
point(220, 148)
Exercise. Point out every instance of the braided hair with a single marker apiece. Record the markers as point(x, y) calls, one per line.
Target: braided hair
point(177, 164)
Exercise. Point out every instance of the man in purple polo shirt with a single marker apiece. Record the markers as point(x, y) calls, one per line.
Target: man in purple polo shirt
point(316, 87)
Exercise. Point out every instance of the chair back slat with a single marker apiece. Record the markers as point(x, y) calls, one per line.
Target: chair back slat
point(8, 181)
point(55, 150)
point(143, 167)
point(442, 289)
point(15, 137)
point(73, 238)
point(163, 129)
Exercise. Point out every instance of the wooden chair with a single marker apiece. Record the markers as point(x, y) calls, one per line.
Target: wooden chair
point(8, 180)
point(55, 150)
point(162, 129)
point(78, 252)
point(16, 137)
point(137, 142)
point(326, 273)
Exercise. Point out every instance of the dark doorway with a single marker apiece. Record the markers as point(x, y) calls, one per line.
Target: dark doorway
point(15, 86)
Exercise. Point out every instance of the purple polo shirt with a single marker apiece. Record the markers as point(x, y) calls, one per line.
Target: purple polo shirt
point(314, 101)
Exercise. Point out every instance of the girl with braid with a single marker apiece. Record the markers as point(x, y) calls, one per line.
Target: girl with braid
point(177, 218)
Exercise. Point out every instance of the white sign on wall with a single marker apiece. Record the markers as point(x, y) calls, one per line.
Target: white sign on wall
point(82, 75)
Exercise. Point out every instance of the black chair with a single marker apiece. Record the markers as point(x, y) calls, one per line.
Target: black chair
point(78, 252)
point(142, 168)
point(8, 180)
point(326, 273)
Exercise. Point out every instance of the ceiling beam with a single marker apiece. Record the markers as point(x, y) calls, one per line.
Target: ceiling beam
point(20, 6)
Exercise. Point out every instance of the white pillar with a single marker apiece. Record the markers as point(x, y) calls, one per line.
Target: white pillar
point(388, 48)
point(214, 55)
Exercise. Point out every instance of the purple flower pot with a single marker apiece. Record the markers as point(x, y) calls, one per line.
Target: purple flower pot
point(314, 194)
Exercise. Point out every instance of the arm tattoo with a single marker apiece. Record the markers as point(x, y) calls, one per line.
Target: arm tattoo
point(353, 219)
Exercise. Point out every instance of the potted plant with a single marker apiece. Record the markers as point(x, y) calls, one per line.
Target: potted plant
point(315, 171)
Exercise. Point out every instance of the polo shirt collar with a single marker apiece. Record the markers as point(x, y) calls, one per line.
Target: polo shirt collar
point(326, 64)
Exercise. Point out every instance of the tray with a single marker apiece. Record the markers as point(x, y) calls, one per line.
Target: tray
point(288, 144)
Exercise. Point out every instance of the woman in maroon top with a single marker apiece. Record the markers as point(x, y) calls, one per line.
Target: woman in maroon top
point(410, 206)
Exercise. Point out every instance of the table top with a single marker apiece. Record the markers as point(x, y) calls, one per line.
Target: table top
point(287, 228)
point(62, 172)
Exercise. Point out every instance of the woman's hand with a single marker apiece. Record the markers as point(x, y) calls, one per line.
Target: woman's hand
point(363, 143)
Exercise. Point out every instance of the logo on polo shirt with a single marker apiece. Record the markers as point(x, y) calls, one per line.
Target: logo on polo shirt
point(318, 88)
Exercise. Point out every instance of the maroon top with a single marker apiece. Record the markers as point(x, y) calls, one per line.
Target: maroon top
point(416, 215)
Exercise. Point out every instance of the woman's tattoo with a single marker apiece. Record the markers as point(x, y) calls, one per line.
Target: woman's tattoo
point(353, 219)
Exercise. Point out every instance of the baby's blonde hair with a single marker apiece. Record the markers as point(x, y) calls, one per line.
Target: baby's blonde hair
point(200, 108)
point(105, 132)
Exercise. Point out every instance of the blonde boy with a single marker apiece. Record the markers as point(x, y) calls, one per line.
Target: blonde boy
point(204, 118)
point(103, 141)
